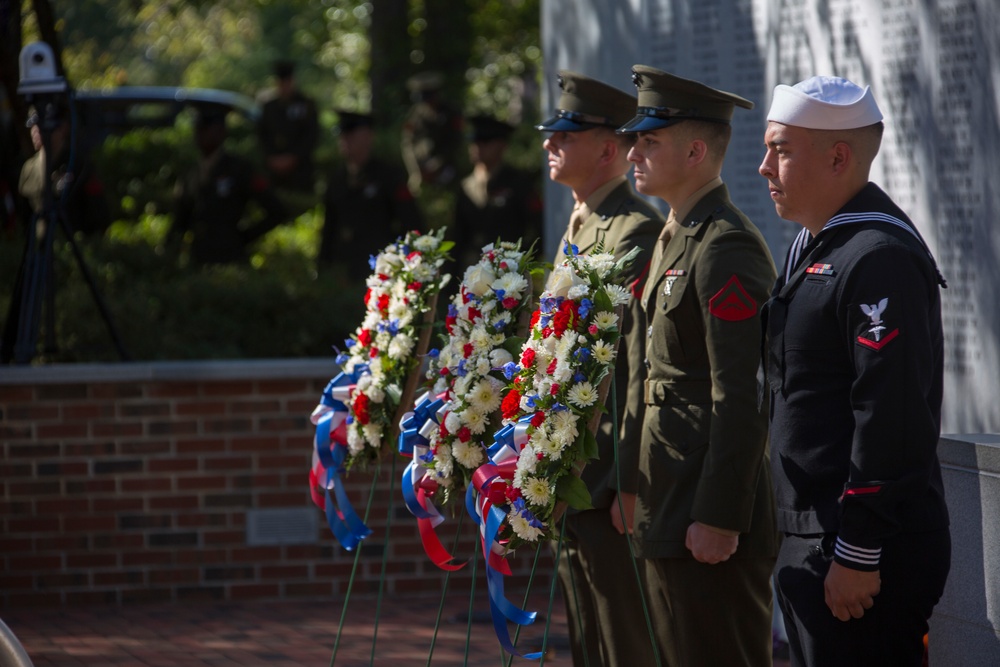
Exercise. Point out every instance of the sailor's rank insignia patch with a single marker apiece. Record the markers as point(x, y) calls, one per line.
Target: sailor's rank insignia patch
point(732, 303)
point(875, 332)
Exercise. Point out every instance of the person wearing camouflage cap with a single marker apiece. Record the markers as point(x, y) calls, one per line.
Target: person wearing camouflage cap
point(703, 519)
point(606, 625)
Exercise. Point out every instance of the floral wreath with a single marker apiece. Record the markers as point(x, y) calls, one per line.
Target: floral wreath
point(485, 327)
point(556, 398)
point(404, 285)
point(358, 410)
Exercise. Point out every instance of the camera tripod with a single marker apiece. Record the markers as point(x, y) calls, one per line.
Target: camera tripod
point(35, 280)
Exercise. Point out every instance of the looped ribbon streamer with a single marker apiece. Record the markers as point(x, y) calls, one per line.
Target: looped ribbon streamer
point(330, 450)
point(415, 430)
point(488, 505)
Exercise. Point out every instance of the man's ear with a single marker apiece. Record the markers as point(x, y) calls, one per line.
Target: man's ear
point(697, 152)
point(609, 151)
point(841, 157)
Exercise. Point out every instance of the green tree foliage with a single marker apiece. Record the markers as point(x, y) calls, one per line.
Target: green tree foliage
point(349, 57)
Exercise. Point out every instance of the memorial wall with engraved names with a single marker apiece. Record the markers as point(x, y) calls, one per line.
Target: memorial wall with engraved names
point(934, 67)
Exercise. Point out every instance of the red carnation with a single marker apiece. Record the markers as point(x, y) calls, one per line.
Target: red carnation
point(512, 493)
point(554, 390)
point(527, 357)
point(365, 337)
point(464, 434)
point(360, 408)
point(537, 419)
point(511, 404)
point(415, 286)
point(474, 314)
point(467, 350)
point(510, 303)
point(368, 295)
point(534, 318)
point(383, 303)
point(552, 367)
point(373, 353)
point(592, 329)
point(413, 253)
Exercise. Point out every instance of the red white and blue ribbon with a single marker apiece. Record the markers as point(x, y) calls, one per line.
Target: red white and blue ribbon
point(415, 431)
point(331, 418)
point(488, 504)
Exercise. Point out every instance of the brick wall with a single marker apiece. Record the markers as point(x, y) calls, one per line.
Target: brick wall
point(133, 482)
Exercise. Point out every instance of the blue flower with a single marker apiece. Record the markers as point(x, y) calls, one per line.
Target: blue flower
point(452, 310)
point(570, 250)
point(500, 324)
point(510, 369)
point(460, 369)
point(350, 342)
point(428, 457)
point(585, 306)
point(548, 304)
point(579, 377)
point(532, 400)
point(433, 353)
point(583, 354)
point(394, 326)
point(558, 407)
point(500, 294)
point(372, 261)
point(342, 358)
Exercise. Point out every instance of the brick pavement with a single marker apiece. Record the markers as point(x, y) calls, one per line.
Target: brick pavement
point(277, 634)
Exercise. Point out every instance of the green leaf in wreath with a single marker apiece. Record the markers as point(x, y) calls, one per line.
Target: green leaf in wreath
point(571, 489)
point(513, 344)
point(590, 450)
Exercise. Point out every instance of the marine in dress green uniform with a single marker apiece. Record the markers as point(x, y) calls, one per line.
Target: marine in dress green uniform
point(496, 200)
point(704, 460)
point(606, 622)
point(210, 202)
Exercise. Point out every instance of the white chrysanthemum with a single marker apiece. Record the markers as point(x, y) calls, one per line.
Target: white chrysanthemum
point(603, 263)
point(480, 338)
point(469, 454)
point(500, 356)
point(577, 292)
point(565, 346)
point(426, 243)
point(444, 464)
point(582, 395)
point(603, 352)
point(536, 491)
point(523, 529)
point(527, 461)
point(553, 448)
point(563, 371)
point(606, 320)
point(483, 365)
point(452, 422)
point(387, 263)
point(563, 424)
point(401, 346)
point(401, 311)
point(485, 396)
point(488, 306)
point(424, 273)
point(512, 284)
point(462, 384)
point(373, 434)
point(371, 320)
point(355, 442)
point(363, 383)
point(474, 419)
point(619, 295)
point(376, 394)
point(448, 357)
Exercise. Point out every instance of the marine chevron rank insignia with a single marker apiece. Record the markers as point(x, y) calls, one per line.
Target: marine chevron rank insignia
point(875, 337)
point(732, 303)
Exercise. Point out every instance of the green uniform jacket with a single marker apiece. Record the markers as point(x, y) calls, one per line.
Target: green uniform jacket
point(704, 454)
point(623, 221)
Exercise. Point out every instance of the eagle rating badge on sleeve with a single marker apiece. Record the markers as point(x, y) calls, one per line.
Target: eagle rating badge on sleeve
point(875, 330)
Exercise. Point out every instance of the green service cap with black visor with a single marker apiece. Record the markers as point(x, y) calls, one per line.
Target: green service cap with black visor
point(586, 103)
point(665, 99)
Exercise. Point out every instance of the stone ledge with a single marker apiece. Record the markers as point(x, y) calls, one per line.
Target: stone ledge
point(160, 371)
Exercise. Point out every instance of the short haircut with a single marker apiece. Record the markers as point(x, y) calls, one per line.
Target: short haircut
point(715, 135)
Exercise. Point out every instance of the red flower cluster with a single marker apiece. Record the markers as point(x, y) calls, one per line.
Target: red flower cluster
point(360, 408)
point(511, 404)
point(566, 317)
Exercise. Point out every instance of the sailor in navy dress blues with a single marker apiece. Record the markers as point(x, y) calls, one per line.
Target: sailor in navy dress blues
point(854, 366)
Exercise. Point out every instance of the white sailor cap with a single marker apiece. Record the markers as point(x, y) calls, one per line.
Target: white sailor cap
point(824, 103)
